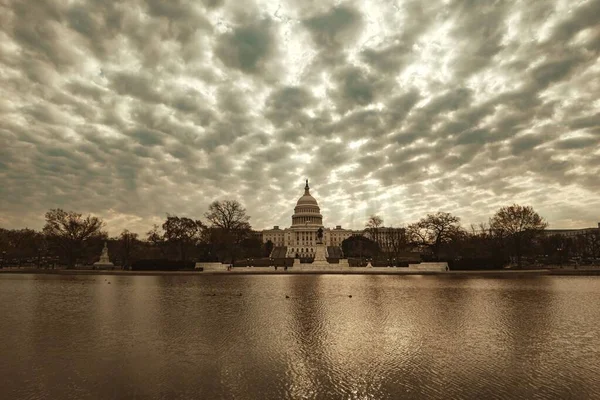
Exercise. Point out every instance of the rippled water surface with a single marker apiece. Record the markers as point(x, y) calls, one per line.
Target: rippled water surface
point(239, 337)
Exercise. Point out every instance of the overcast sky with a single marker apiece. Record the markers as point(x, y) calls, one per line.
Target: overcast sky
point(134, 109)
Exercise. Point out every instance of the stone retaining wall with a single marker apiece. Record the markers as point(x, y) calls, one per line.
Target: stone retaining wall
point(325, 267)
point(214, 266)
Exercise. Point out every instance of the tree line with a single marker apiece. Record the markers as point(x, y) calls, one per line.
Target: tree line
point(514, 234)
point(70, 238)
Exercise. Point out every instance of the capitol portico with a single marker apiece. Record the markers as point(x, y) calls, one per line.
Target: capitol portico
point(301, 238)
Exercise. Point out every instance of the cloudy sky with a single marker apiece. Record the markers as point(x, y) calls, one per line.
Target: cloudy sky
point(134, 109)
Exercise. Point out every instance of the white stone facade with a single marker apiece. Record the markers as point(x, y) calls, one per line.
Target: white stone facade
point(571, 232)
point(301, 237)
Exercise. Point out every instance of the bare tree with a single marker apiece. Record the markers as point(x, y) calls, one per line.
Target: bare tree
point(435, 230)
point(127, 243)
point(228, 215)
point(518, 225)
point(182, 232)
point(229, 226)
point(396, 242)
point(154, 236)
point(592, 244)
point(22, 246)
point(372, 226)
point(70, 231)
point(156, 239)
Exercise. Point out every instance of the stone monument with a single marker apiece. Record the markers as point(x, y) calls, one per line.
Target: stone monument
point(320, 259)
point(104, 262)
point(320, 236)
point(320, 254)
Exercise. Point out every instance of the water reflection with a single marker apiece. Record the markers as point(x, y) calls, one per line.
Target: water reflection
point(309, 363)
point(239, 337)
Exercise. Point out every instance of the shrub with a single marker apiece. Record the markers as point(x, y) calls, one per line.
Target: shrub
point(477, 263)
point(162, 265)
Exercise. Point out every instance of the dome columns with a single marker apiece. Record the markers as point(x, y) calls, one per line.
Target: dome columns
point(307, 211)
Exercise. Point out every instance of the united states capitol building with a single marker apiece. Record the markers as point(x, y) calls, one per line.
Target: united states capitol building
point(308, 238)
point(300, 239)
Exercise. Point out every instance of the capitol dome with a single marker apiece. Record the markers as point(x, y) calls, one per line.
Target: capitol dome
point(307, 211)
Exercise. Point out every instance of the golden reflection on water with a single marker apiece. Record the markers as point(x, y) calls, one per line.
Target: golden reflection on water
point(240, 337)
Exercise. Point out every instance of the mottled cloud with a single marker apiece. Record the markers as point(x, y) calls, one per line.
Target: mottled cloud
point(134, 109)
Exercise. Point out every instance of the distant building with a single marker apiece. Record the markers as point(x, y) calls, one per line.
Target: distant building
point(301, 237)
point(256, 235)
point(390, 239)
point(571, 232)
